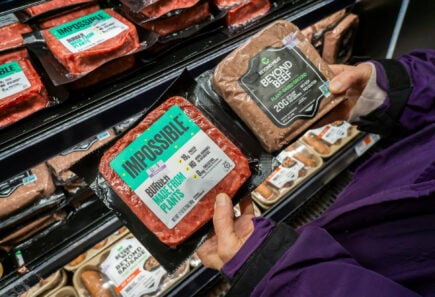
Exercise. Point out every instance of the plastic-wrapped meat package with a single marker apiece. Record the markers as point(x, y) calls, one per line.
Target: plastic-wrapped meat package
point(24, 189)
point(170, 167)
point(23, 92)
point(225, 4)
point(163, 7)
point(66, 17)
point(248, 11)
point(175, 23)
point(102, 36)
point(11, 35)
point(52, 5)
point(277, 83)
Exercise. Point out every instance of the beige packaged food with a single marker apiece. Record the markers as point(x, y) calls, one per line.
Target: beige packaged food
point(277, 83)
point(330, 138)
point(66, 291)
point(47, 285)
point(296, 163)
point(123, 268)
point(24, 189)
point(96, 249)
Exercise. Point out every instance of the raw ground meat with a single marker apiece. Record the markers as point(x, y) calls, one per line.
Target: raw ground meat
point(226, 82)
point(85, 61)
point(51, 5)
point(247, 11)
point(67, 17)
point(225, 4)
point(203, 210)
point(185, 19)
point(27, 101)
point(162, 7)
point(10, 36)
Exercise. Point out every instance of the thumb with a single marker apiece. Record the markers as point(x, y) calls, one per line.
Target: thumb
point(350, 76)
point(223, 219)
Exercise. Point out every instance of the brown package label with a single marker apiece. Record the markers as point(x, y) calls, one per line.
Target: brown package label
point(338, 42)
point(24, 189)
point(277, 83)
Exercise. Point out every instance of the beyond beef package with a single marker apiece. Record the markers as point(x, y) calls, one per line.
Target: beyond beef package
point(162, 176)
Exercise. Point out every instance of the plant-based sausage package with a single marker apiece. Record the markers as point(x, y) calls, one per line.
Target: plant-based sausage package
point(277, 83)
point(102, 36)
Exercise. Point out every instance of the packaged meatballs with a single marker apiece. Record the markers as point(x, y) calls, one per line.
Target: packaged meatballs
point(126, 268)
point(328, 139)
point(277, 83)
point(295, 164)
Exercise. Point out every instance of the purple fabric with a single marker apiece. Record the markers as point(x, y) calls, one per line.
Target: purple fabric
point(262, 228)
point(378, 239)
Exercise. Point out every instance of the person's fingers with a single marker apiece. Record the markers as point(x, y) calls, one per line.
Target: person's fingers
point(350, 77)
point(339, 68)
point(223, 218)
point(207, 252)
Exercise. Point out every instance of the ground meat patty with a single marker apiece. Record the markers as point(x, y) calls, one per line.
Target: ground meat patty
point(51, 5)
point(24, 189)
point(247, 11)
point(162, 7)
point(10, 36)
point(270, 86)
point(67, 17)
point(24, 94)
point(203, 210)
point(185, 19)
point(85, 60)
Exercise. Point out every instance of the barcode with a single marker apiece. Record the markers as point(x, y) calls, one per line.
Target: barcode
point(70, 40)
point(183, 210)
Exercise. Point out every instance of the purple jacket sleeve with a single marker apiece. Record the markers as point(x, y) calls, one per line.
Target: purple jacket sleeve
point(317, 264)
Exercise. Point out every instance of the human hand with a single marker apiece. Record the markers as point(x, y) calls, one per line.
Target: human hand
point(350, 78)
point(229, 233)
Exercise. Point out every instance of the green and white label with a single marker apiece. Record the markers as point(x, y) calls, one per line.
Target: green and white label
point(12, 79)
point(172, 165)
point(126, 266)
point(88, 31)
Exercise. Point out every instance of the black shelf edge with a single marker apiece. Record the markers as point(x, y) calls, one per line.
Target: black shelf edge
point(82, 122)
point(202, 277)
point(62, 247)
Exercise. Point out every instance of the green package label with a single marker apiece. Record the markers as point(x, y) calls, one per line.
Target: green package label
point(172, 165)
point(284, 84)
point(88, 31)
point(12, 79)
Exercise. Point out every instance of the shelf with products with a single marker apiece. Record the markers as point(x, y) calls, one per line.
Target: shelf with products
point(43, 135)
point(48, 132)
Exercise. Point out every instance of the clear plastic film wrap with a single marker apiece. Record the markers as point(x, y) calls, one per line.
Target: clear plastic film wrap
point(277, 83)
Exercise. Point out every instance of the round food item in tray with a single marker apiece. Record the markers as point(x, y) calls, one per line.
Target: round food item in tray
point(66, 291)
point(330, 138)
point(296, 162)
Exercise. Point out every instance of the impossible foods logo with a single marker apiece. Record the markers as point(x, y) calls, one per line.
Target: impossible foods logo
point(79, 24)
point(9, 69)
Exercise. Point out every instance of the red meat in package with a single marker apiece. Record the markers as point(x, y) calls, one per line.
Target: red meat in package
point(88, 42)
point(11, 35)
point(53, 5)
point(22, 91)
point(170, 167)
point(247, 11)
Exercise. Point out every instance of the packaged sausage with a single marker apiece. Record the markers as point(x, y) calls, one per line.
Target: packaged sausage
point(328, 139)
point(296, 163)
point(24, 189)
point(23, 92)
point(277, 83)
point(47, 285)
point(96, 249)
point(126, 268)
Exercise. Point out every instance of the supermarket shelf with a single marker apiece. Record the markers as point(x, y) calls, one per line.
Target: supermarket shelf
point(203, 278)
point(48, 132)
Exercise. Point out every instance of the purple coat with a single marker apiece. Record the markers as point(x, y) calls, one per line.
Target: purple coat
point(378, 238)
